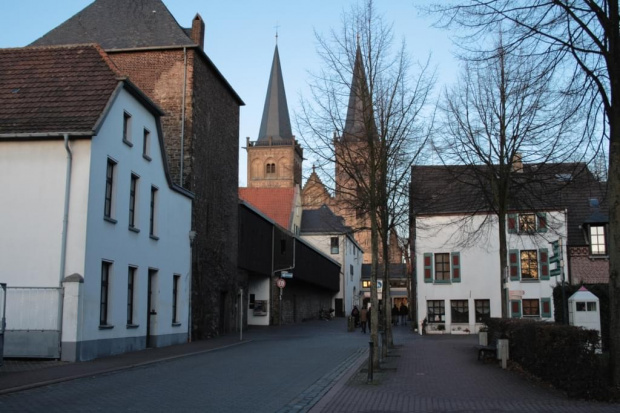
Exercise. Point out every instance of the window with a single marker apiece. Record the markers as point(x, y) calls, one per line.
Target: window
point(597, 240)
point(483, 310)
point(442, 267)
point(131, 280)
point(105, 288)
point(586, 306)
point(531, 308)
point(365, 284)
point(351, 271)
point(146, 144)
point(153, 212)
point(529, 265)
point(133, 187)
point(335, 248)
point(436, 311)
point(175, 298)
point(108, 208)
point(270, 168)
point(127, 128)
point(460, 311)
point(527, 223)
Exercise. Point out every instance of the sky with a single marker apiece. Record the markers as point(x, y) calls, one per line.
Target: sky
point(240, 40)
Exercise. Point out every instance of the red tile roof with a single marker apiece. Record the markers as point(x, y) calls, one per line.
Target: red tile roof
point(276, 203)
point(54, 89)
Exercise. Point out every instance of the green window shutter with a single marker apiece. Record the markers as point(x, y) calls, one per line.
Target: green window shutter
point(545, 307)
point(541, 222)
point(543, 263)
point(514, 265)
point(428, 267)
point(455, 264)
point(512, 223)
point(515, 308)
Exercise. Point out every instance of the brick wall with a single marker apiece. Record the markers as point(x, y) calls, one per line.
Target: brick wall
point(584, 269)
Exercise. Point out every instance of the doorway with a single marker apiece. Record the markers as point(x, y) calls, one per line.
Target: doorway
point(151, 308)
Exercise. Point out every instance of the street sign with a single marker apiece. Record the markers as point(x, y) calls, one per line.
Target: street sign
point(285, 274)
point(516, 294)
point(281, 283)
point(379, 285)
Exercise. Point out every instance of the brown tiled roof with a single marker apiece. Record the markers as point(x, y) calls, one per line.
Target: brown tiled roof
point(276, 203)
point(54, 89)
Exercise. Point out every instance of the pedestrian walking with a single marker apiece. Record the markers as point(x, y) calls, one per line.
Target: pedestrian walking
point(355, 313)
point(404, 314)
point(395, 313)
point(363, 319)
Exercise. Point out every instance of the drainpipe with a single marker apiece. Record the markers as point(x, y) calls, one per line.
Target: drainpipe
point(192, 237)
point(65, 220)
point(183, 115)
point(63, 245)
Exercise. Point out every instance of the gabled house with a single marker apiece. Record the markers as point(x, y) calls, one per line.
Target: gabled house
point(95, 232)
point(201, 132)
point(455, 242)
point(328, 233)
point(283, 205)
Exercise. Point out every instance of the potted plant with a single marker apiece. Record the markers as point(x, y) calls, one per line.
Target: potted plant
point(483, 336)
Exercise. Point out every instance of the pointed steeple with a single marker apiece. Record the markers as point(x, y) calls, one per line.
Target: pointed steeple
point(359, 112)
point(276, 123)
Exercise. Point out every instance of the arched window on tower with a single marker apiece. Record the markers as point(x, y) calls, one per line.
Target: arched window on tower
point(270, 169)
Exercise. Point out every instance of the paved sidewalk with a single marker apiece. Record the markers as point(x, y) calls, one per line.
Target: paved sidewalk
point(441, 373)
point(17, 375)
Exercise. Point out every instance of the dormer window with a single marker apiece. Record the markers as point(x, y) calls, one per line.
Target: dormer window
point(270, 169)
point(597, 240)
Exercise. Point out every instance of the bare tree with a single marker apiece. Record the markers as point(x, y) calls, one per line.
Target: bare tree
point(503, 113)
point(582, 37)
point(366, 94)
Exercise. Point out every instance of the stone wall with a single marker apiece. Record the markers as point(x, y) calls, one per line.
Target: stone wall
point(300, 302)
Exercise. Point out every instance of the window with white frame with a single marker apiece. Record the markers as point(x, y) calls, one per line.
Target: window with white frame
point(598, 245)
point(442, 267)
point(529, 264)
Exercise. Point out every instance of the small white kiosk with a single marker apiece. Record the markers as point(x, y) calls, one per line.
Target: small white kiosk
point(584, 310)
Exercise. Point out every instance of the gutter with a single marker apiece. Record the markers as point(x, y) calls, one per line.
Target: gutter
point(65, 225)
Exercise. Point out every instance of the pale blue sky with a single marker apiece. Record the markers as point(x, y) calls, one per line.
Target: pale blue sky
point(240, 39)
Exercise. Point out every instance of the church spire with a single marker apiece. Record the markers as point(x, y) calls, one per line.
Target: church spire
point(359, 111)
point(276, 123)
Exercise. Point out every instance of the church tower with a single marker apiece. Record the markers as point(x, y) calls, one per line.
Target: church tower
point(275, 158)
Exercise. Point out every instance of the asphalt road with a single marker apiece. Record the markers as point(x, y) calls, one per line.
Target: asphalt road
point(286, 369)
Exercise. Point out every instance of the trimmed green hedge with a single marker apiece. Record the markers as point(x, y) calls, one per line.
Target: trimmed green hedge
point(558, 354)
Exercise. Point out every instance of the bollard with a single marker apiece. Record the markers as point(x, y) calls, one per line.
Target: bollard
point(502, 352)
point(370, 357)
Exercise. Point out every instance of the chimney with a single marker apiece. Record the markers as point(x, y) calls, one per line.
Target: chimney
point(517, 163)
point(198, 31)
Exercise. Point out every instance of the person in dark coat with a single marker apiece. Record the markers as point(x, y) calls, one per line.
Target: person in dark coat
point(404, 314)
point(363, 319)
point(355, 313)
point(395, 314)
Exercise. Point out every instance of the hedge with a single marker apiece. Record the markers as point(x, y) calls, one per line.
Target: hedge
point(561, 355)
